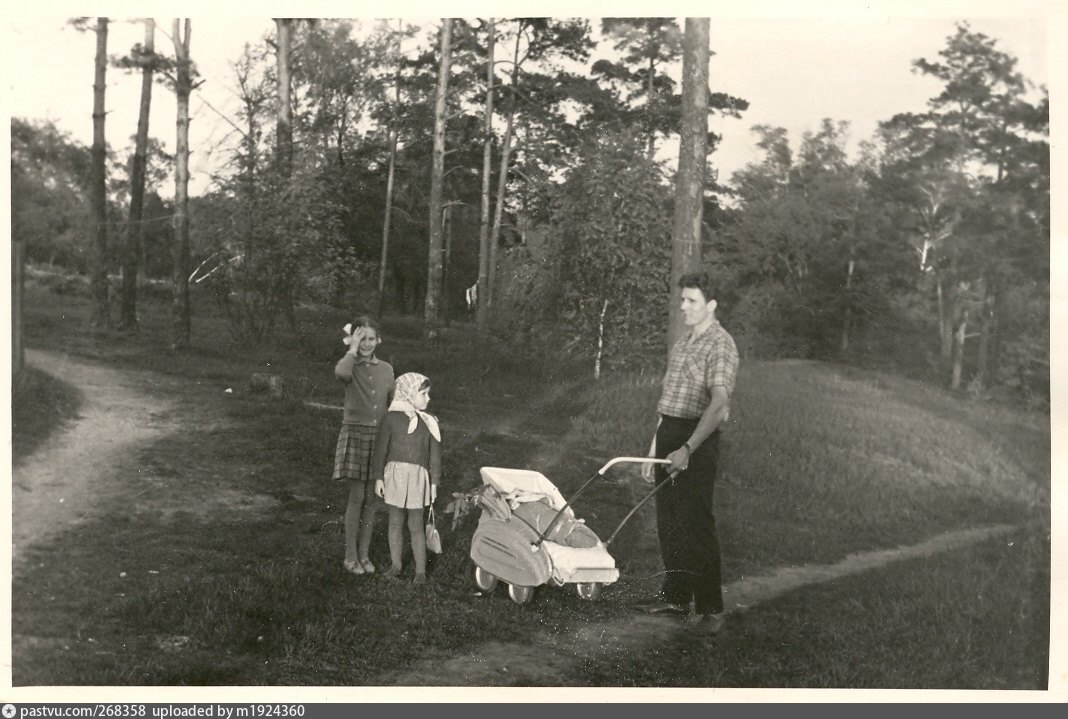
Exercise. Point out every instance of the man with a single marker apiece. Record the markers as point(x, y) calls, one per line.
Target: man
point(694, 405)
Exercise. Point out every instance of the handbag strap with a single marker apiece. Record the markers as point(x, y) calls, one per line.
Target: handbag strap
point(430, 502)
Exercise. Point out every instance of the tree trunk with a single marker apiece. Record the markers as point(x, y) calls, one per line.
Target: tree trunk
point(502, 178)
point(689, 182)
point(134, 228)
point(284, 132)
point(99, 276)
point(946, 312)
point(600, 343)
point(650, 143)
point(383, 262)
point(998, 309)
point(431, 302)
point(180, 311)
point(958, 351)
point(445, 265)
point(848, 319)
point(484, 217)
point(987, 322)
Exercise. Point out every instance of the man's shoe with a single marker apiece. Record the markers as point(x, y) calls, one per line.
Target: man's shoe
point(710, 624)
point(666, 609)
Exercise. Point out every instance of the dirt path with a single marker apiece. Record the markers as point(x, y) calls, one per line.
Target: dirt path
point(79, 468)
point(550, 659)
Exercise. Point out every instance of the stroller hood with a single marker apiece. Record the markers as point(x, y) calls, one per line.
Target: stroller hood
point(522, 481)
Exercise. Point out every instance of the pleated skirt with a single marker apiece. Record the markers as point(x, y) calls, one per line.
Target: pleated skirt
point(407, 485)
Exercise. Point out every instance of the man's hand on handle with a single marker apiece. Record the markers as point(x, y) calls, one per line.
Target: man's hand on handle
point(680, 460)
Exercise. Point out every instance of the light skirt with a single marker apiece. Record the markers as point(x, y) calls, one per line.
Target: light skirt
point(407, 485)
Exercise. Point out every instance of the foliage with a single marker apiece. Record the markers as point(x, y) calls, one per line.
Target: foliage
point(936, 231)
point(811, 252)
point(649, 95)
point(977, 166)
point(260, 265)
point(610, 244)
point(50, 211)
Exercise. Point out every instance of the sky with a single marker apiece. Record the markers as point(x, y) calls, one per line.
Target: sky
point(846, 61)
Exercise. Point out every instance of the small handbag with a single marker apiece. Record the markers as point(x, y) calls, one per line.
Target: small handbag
point(433, 537)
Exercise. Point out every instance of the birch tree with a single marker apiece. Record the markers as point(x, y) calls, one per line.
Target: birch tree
point(181, 321)
point(284, 132)
point(394, 131)
point(487, 169)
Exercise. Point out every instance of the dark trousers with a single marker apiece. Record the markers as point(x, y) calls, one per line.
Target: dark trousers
point(685, 522)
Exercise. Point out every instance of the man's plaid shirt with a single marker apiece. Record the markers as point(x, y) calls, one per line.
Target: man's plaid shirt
point(694, 368)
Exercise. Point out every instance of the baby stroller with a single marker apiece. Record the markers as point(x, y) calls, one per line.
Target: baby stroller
point(528, 535)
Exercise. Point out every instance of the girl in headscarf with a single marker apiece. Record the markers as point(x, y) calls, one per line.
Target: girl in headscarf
point(407, 468)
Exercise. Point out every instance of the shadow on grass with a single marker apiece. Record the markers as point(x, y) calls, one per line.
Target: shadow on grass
point(41, 405)
point(975, 618)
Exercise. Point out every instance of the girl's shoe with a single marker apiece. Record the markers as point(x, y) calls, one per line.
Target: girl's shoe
point(393, 571)
point(420, 580)
point(367, 566)
point(352, 565)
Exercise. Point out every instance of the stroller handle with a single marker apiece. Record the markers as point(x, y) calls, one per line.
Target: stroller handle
point(536, 545)
point(638, 460)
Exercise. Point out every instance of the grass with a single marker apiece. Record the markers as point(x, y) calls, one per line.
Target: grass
point(40, 406)
point(842, 463)
point(976, 618)
point(224, 566)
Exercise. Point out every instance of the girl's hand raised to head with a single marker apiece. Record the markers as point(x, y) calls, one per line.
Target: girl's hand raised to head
point(356, 338)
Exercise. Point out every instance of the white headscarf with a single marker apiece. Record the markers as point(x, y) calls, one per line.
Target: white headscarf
point(407, 388)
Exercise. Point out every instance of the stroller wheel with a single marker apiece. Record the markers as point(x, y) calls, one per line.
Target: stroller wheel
point(486, 582)
point(589, 591)
point(520, 595)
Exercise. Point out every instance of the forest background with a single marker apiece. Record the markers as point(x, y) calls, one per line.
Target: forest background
point(923, 248)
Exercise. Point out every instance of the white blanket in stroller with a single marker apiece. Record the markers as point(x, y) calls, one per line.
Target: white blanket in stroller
point(568, 560)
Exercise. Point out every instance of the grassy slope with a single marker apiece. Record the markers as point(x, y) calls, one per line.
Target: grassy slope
point(821, 461)
point(40, 405)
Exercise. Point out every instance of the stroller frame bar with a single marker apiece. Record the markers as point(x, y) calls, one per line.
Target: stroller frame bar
point(535, 546)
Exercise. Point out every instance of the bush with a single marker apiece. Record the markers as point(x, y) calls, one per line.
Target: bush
point(596, 279)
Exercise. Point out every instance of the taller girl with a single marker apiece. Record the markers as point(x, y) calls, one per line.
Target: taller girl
point(368, 392)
